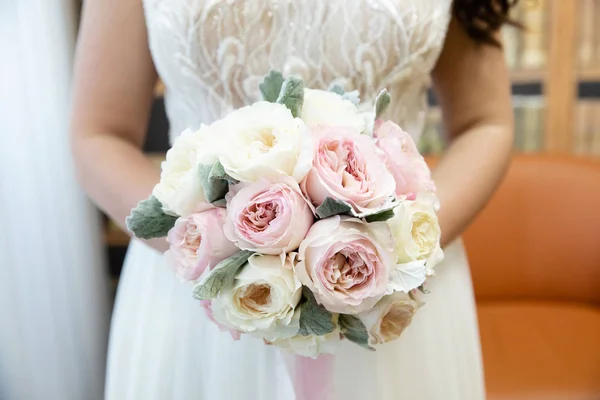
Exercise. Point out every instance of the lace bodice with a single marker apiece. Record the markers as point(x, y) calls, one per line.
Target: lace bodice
point(212, 54)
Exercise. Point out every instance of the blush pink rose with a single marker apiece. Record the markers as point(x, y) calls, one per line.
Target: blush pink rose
point(410, 171)
point(268, 217)
point(348, 166)
point(197, 242)
point(346, 263)
point(207, 305)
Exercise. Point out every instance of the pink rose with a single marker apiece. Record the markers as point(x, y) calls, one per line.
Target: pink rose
point(348, 167)
point(207, 305)
point(270, 218)
point(403, 160)
point(346, 263)
point(197, 242)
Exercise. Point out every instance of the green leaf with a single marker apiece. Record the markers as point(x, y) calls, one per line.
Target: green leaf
point(222, 203)
point(147, 220)
point(270, 87)
point(354, 330)
point(314, 318)
point(332, 207)
point(380, 216)
point(383, 214)
point(222, 275)
point(382, 103)
point(292, 95)
point(353, 96)
point(336, 88)
point(215, 182)
point(218, 172)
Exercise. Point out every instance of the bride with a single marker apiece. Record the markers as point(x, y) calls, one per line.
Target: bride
point(211, 54)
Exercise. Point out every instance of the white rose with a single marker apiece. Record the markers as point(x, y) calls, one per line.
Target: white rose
point(264, 140)
point(311, 346)
point(262, 299)
point(327, 108)
point(388, 319)
point(416, 232)
point(180, 191)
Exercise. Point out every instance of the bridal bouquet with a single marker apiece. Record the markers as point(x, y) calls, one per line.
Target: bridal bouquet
point(298, 219)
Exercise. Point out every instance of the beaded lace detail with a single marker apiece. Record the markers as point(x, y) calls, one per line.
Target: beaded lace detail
point(212, 54)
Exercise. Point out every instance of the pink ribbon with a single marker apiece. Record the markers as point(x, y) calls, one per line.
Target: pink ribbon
point(314, 377)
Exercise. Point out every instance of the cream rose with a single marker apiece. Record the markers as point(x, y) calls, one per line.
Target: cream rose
point(388, 319)
point(262, 300)
point(311, 346)
point(325, 108)
point(206, 305)
point(264, 140)
point(180, 190)
point(416, 232)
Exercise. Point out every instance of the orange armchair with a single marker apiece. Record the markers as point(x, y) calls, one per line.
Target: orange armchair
point(535, 260)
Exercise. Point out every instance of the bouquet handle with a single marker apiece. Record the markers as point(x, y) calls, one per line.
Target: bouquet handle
point(314, 377)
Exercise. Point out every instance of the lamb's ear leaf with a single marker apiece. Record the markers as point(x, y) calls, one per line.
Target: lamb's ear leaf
point(214, 180)
point(314, 318)
point(336, 88)
point(380, 216)
point(270, 87)
point(148, 220)
point(221, 203)
point(218, 172)
point(331, 207)
point(292, 95)
point(353, 96)
point(382, 103)
point(220, 276)
point(383, 214)
point(354, 330)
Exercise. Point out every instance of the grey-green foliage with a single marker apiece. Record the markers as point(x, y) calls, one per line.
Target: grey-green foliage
point(148, 220)
point(314, 318)
point(223, 274)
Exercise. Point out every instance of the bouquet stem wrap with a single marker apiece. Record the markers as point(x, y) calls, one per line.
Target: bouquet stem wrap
point(314, 377)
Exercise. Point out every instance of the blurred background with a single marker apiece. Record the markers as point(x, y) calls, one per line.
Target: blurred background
point(538, 300)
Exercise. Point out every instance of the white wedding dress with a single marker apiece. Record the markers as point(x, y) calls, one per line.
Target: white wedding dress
point(211, 55)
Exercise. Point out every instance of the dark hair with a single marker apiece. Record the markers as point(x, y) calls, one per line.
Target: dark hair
point(482, 18)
